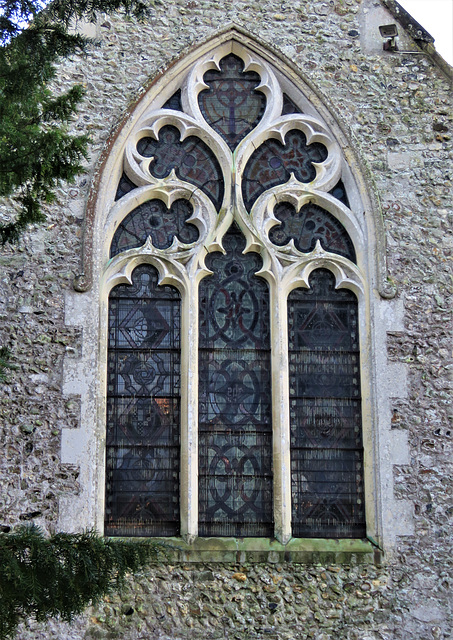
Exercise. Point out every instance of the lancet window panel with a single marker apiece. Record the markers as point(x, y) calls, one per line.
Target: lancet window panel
point(235, 431)
point(143, 408)
point(325, 411)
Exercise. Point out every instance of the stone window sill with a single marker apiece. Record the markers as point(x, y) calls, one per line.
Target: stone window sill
point(245, 550)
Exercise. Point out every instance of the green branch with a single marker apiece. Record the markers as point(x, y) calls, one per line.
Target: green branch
point(60, 576)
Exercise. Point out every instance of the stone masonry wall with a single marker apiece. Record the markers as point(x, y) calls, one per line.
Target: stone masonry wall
point(397, 108)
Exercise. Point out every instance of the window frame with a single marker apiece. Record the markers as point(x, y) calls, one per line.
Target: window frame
point(99, 274)
point(284, 268)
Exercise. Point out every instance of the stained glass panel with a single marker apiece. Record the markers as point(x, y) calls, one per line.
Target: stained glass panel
point(191, 159)
point(152, 218)
point(124, 186)
point(308, 225)
point(339, 192)
point(272, 164)
point(289, 106)
point(174, 102)
point(325, 411)
point(143, 408)
point(235, 440)
point(231, 105)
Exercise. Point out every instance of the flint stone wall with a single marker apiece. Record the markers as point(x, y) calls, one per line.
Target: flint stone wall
point(397, 109)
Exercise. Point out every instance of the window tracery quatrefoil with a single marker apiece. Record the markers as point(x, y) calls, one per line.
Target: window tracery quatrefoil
point(231, 165)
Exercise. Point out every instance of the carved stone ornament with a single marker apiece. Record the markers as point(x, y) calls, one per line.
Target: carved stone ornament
point(181, 262)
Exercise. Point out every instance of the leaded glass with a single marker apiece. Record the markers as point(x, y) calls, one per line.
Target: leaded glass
point(231, 105)
point(143, 408)
point(339, 192)
point(272, 164)
point(325, 411)
point(289, 106)
point(235, 439)
point(308, 225)
point(124, 186)
point(152, 218)
point(174, 102)
point(192, 160)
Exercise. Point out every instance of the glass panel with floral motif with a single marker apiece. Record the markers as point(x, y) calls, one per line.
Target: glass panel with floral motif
point(308, 225)
point(235, 440)
point(272, 164)
point(231, 105)
point(191, 159)
point(152, 218)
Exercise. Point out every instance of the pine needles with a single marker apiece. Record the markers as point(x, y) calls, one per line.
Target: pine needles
point(59, 576)
point(37, 152)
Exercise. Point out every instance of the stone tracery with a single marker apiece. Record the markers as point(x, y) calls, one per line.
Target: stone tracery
point(214, 158)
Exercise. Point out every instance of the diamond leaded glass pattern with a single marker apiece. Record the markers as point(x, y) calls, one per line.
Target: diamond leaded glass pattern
point(231, 105)
point(143, 408)
point(235, 434)
point(325, 411)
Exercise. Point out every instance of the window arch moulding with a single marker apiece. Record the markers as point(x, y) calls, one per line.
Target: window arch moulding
point(131, 176)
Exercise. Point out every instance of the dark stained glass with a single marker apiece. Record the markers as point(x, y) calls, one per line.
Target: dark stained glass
point(289, 106)
point(192, 160)
point(124, 186)
point(339, 192)
point(325, 411)
point(231, 105)
point(235, 439)
point(306, 226)
point(174, 102)
point(272, 164)
point(143, 408)
point(152, 218)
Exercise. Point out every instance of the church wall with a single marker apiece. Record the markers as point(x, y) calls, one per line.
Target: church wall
point(395, 109)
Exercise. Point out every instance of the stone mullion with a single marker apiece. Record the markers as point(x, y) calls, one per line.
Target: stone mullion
point(189, 412)
point(280, 413)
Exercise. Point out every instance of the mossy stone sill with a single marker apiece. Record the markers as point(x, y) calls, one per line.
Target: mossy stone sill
point(243, 550)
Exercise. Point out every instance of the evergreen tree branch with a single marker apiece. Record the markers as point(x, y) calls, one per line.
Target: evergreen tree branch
point(60, 576)
point(36, 152)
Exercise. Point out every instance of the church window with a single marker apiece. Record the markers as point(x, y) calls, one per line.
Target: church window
point(143, 408)
point(233, 386)
point(235, 424)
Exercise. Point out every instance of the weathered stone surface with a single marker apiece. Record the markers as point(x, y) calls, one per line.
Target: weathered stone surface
point(397, 109)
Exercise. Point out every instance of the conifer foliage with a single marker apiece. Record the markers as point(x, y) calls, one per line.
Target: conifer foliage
point(36, 150)
point(44, 577)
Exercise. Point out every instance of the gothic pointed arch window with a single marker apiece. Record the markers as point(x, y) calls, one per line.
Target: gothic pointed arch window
point(236, 289)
